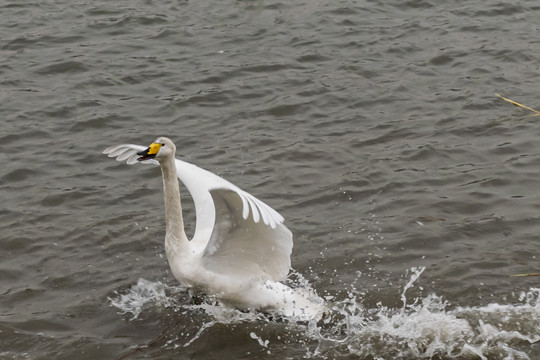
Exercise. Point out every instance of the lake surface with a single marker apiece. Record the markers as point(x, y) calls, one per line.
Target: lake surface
point(371, 126)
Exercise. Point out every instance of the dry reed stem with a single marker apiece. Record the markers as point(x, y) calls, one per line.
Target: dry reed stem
point(531, 274)
point(536, 112)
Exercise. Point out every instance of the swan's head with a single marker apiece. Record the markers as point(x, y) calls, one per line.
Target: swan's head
point(160, 149)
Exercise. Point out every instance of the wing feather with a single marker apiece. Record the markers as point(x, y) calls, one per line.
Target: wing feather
point(133, 160)
point(245, 207)
point(124, 155)
point(119, 151)
point(254, 211)
point(267, 218)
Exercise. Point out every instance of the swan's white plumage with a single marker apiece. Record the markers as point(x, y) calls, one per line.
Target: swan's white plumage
point(240, 249)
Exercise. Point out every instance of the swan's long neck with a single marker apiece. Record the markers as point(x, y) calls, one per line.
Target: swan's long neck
point(175, 238)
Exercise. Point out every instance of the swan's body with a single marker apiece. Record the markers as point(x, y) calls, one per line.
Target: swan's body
point(240, 250)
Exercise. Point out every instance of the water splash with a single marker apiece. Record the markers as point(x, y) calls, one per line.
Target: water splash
point(423, 328)
point(144, 293)
point(427, 328)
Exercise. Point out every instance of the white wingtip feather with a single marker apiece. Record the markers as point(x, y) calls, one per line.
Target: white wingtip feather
point(110, 149)
point(124, 155)
point(267, 218)
point(245, 206)
point(133, 159)
point(254, 211)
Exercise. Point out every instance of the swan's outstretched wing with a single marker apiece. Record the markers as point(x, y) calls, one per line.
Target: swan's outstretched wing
point(248, 237)
point(237, 232)
point(128, 153)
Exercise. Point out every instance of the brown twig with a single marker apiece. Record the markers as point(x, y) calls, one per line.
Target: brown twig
point(531, 274)
point(536, 112)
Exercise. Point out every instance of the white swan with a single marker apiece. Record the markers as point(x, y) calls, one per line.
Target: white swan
point(240, 250)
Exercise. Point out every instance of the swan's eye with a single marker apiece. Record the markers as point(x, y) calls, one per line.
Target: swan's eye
point(162, 144)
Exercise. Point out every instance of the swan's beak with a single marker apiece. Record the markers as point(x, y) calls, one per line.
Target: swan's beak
point(149, 153)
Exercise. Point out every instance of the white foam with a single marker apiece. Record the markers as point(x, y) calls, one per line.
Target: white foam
point(427, 328)
point(143, 293)
point(422, 328)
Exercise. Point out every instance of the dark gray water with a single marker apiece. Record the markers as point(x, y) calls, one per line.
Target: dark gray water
point(371, 126)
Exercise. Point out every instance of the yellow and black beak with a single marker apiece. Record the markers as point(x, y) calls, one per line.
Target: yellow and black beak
point(149, 153)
